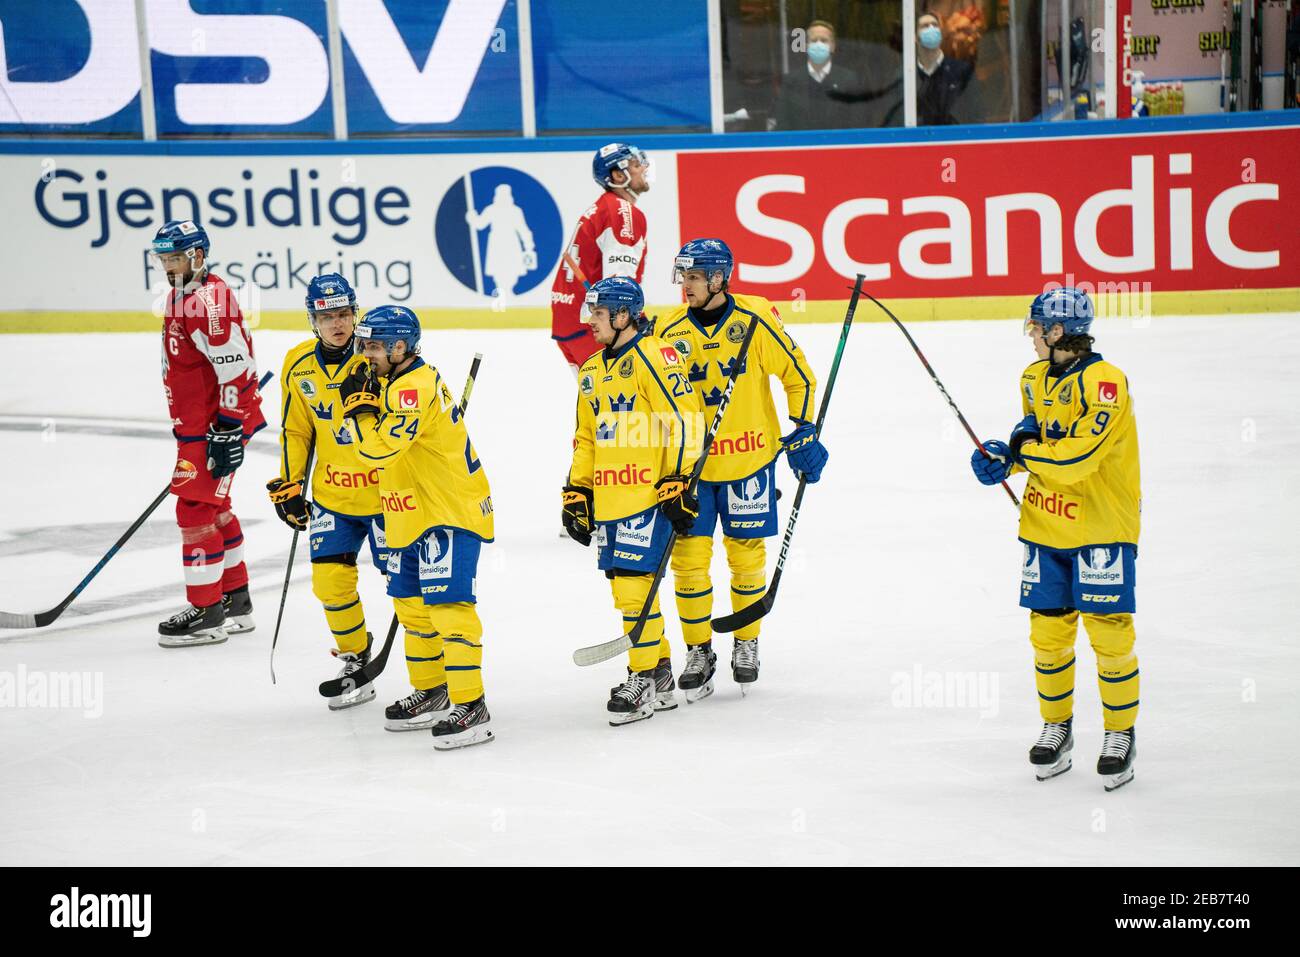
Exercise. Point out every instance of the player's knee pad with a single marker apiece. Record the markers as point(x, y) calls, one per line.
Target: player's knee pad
point(334, 583)
point(692, 556)
point(195, 518)
point(630, 591)
point(413, 613)
point(456, 618)
point(1053, 633)
point(1111, 636)
point(746, 557)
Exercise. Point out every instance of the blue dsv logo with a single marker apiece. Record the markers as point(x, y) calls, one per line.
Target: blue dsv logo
point(498, 231)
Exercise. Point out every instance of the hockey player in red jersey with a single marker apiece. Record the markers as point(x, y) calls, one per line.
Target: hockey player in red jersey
point(610, 241)
point(211, 384)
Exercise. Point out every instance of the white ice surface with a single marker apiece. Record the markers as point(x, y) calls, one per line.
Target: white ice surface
point(901, 562)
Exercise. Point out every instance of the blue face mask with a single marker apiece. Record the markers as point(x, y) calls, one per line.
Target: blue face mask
point(930, 37)
point(819, 51)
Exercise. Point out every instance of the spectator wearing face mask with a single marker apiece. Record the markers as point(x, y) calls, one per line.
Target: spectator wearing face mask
point(940, 80)
point(816, 97)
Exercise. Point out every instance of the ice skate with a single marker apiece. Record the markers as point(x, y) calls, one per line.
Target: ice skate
point(469, 723)
point(1050, 754)
point(418, 710)
point(744, 663)
point(697, 677)
point(665, 700)
point(239, 611)
point(1115, 765)
point(357, 692)
point(194, 626)
point(633, 700)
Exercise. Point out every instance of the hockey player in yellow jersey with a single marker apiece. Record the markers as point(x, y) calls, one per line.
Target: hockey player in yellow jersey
point(437, 509)
point(344, 510)
point(1079, 525)
point(738, 485)
point(636, 441)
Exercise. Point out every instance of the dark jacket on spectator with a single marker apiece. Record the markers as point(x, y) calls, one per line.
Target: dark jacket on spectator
point(805, 104)
point(938, 92)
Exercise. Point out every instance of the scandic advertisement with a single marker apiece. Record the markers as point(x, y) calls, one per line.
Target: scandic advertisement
point(1182, 212)
point(474, 239)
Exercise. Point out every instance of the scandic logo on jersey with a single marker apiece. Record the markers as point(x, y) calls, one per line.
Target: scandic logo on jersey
point(1107, 392)
point(1054, 504)
point(408, 399)
point(750, 441)
point(627, 475)
point(398, 502)
point(341, 479)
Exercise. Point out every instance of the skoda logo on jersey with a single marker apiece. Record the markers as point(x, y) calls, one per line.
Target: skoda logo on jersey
point(308, 388)
point(683, 346)
point(498, 231)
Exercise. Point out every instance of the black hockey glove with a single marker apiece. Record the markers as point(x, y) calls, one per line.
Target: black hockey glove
point(225, 449)
point(289, 503)
point(679, 505)
point(577, 514)
point(359, 391)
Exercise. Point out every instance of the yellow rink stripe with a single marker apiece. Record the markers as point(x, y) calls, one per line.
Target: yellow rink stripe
point(1135, 306)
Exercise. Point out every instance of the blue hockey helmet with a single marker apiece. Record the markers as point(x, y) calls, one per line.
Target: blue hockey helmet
point(710, 255)
point(614, 156)
point(615, 293)
point(1066, 305)
point(389, 324)
point(180, 235)
point(329, 291)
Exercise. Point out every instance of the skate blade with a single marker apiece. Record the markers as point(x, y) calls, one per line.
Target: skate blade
point(1113, 781)
point(481, 734)
point(240, 625)
point(214, 637)
point(631, 717)
point(343, 702)
point(422, 723)
point(1045, 772)
point(699, 694)
point(665, 701)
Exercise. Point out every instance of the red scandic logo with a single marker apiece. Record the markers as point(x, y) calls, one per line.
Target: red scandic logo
point(1107, 392)
point(798, 222)
point(408, 399)
point(670, 355)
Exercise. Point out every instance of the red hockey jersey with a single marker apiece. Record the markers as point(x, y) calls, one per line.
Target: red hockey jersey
point(609, 241)
point(207, 362)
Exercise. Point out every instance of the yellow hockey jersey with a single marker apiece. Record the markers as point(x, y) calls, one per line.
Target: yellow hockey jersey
point(1084, 486)
point(340, 481)
point(638, 420)
point(750, 436)
point(429, 473)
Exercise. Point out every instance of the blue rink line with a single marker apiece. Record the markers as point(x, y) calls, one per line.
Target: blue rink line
point(1142, 126)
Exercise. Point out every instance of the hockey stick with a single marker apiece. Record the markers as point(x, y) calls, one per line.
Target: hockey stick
point(951, 404)
point(42, 618)
point(375, 667)
point(575, 269)
point(756, 610)
point(293, 549)
point(594, 654)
